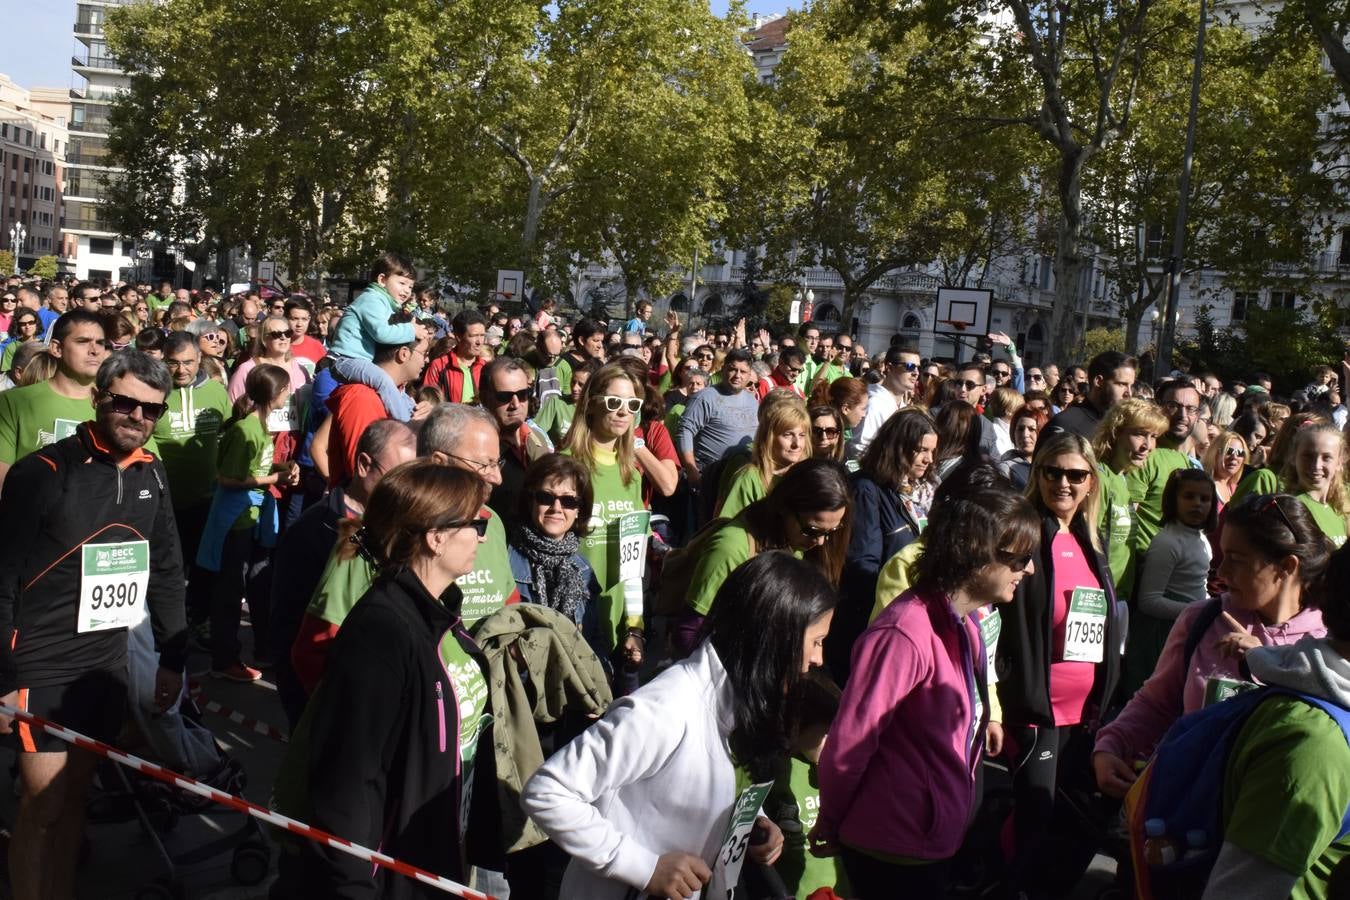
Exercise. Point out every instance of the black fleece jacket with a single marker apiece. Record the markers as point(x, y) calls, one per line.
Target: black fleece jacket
point(1026, 644)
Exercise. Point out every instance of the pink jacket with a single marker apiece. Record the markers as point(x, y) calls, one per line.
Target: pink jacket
point(897, 776)
point(1170, 693)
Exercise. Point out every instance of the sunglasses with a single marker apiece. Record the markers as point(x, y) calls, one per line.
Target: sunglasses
point(124, 405)
point(818, 431)
point(703, 356)
point(911, 367)
point(812, 531)
point(503, 397)
point(213, 336)
point(614, 404)
point(548, 498)
point(1002, 373)
point(972, 385)
point(1015, 561)
point(278, 335)
point(1053, 474)
point(1266, 501)
point(1036, 377)
point(1237, 452)
point(478, 525)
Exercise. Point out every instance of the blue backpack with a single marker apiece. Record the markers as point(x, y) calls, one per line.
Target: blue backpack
point(1182, 788)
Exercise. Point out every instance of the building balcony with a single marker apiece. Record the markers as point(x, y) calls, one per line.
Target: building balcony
point(85, 158)
point(87, 96)
point(90, 126)
point(88, 29)
point(102, 63)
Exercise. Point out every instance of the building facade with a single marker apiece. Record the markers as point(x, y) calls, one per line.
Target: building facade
point(33, 142)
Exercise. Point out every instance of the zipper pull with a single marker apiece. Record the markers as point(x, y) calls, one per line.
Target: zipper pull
point(439, 693)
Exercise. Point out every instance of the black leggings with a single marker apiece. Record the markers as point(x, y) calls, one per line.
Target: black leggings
point(1040, 758)
point(869, 877)
point(243, 566)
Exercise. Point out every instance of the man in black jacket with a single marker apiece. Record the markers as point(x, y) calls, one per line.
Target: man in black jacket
point(87, 545)
point(1110, 380)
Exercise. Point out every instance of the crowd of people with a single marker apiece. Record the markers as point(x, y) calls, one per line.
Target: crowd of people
point(586, 609)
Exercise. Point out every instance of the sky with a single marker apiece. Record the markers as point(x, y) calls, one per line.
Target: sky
point(38, 41)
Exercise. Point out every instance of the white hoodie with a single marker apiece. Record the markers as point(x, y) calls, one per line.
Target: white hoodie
point(1311, 667)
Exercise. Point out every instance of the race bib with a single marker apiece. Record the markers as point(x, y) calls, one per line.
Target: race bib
point(633, 529)
point(991, 625)
point(731, 855)
point(113, 582)
point(285, 417)
point(1085, 627)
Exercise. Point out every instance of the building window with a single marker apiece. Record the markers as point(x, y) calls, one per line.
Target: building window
point(1283, 300)
point(1242, 301)
point(102, 245)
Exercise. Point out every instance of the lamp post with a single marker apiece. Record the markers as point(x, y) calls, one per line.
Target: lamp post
point(17, 235)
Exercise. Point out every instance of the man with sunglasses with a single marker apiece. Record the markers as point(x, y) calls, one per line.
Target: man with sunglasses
point(1110, 380)
point(40, 414)
point(87, 546)
point(791, 361)
point(354, 406)
point(505, 395)
point(1180, 402)
point(899, 381)
point(718, 419)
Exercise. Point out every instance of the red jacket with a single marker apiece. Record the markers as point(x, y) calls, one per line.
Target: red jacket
point(447, 374)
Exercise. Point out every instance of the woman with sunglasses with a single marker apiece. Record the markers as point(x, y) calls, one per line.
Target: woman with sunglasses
point(545, 548)
point(892, 493)
point(899, 771)
point(1274, 557)
point(9, 304)
point(827, 433)
point(24, 328)
point(1059, 650)
point(602, 438)
point(272, 347)
point(782, 440)
point(393, 739)
point(1225, 461)
point(849, 396)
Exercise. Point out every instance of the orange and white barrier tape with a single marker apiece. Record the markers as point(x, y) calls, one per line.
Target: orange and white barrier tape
point(192, 786)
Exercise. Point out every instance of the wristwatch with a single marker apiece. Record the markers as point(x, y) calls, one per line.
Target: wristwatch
point(638, 443)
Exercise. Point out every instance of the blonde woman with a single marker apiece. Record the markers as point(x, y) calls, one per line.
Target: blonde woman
point(1226, 461)
point(1315, 474)
point(1125, 437)
point(782, 440)
point(602, 440)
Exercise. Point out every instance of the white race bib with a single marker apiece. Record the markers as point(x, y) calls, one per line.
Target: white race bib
point(731, 855)
point(1085, 626)
point(113, 583)
point(633, 530)
point(285, 417)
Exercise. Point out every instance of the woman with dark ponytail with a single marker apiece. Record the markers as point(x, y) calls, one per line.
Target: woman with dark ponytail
point(642, 800)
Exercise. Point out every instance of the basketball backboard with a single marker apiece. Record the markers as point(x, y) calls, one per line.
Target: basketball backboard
point(510, 282)
point(963, 312)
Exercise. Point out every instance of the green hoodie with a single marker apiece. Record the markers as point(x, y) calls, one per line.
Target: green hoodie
point(188, 437)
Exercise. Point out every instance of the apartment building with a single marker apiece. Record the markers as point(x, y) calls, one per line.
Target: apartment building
point(33, 142)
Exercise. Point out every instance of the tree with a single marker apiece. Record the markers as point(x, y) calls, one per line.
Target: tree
point(869, 175)
point(44, 267)
point(1259, 182)
point(1285, 343)
point(6, 262)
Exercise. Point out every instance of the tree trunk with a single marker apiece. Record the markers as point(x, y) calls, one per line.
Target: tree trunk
point(529, 236)
point(1132, 321)
point(1068, 259)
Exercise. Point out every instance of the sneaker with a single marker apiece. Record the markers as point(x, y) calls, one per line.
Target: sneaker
point(199, 636)
point(237, 672)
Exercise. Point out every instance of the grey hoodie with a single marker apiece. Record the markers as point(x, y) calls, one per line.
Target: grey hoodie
point(1312, 667)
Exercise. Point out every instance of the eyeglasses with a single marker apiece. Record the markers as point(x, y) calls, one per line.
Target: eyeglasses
point(813, 532)
point(911, 367)
point(548, 498)
point(1053, 474)
point(792, 371)
point(1036, 377)
point(1017, 562)
point(479, 525)
point(9, 299)
point(614, 404)
point(703, 356)
point(482, 468)
point(278, 335)
point(124, 405)
point(1235, 452)
point(1174, 407)
point(972, 385)
point(504, 397)
point(1002, 373)
point(818, 431)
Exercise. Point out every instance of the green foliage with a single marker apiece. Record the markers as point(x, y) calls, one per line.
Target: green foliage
point(1100, 340)
point(1285, 343)
point(6, 262)
point(44, 267)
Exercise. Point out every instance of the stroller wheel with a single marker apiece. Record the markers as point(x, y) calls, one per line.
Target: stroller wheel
point(162, 889)
point(250, 863)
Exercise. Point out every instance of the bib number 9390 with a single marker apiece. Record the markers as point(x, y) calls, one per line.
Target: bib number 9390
point(113, 582)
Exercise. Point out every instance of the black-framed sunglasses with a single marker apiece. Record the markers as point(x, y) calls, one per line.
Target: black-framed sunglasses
point(824, 431)
point(278, 335)
point(910, 367)
point(614, 404)
point(548, 498)
point(1264, 502)
point(1054, 474)
point(124, 405)
point(504, 397)
point(1015, 561)
point(478, 524)
point(972, 385)
point(813, 532)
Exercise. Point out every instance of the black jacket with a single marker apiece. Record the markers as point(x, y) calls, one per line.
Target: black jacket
point(1081, 419)
point(1025, 645)
point(378, 748)
point(57, 499)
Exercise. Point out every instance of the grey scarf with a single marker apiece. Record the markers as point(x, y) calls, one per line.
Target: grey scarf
point(554, 574)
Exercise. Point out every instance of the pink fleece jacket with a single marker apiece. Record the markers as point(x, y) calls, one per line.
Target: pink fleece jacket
point(1170, 693)
point(897, 776)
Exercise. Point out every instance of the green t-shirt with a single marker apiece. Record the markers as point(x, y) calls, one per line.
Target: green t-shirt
point(600, 547)
point(724, 550)
point(1261, 481)
point(797, 807)
point(245, 449)
point(189, 440)
point(1117, 528)
point(1146, 485)
point(807, 374)
point(555, 417)
point(343, 582)
point(7, 357)
point(34, 416)
point(745, 487)
point(1328, 520)
point(564, 370)
point(491, 583)
point(829, 373)
point(471, 700)
point(1290, 757)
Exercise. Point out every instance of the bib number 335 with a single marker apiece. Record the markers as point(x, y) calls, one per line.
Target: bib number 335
point(113, 582)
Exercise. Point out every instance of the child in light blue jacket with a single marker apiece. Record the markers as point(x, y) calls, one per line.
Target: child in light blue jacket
point(376, 319)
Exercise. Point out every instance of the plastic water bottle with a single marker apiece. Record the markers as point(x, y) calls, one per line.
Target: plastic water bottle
point(1197, 843)
point(1159, 849)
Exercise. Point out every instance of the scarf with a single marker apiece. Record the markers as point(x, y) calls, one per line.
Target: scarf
point(554, 574)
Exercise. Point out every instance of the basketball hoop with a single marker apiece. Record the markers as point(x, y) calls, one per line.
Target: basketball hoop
point(955, 323)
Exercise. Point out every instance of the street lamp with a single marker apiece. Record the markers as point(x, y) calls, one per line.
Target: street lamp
point(17, 235)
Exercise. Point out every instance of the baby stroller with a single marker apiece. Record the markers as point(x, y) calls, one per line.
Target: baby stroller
point(176, 739)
